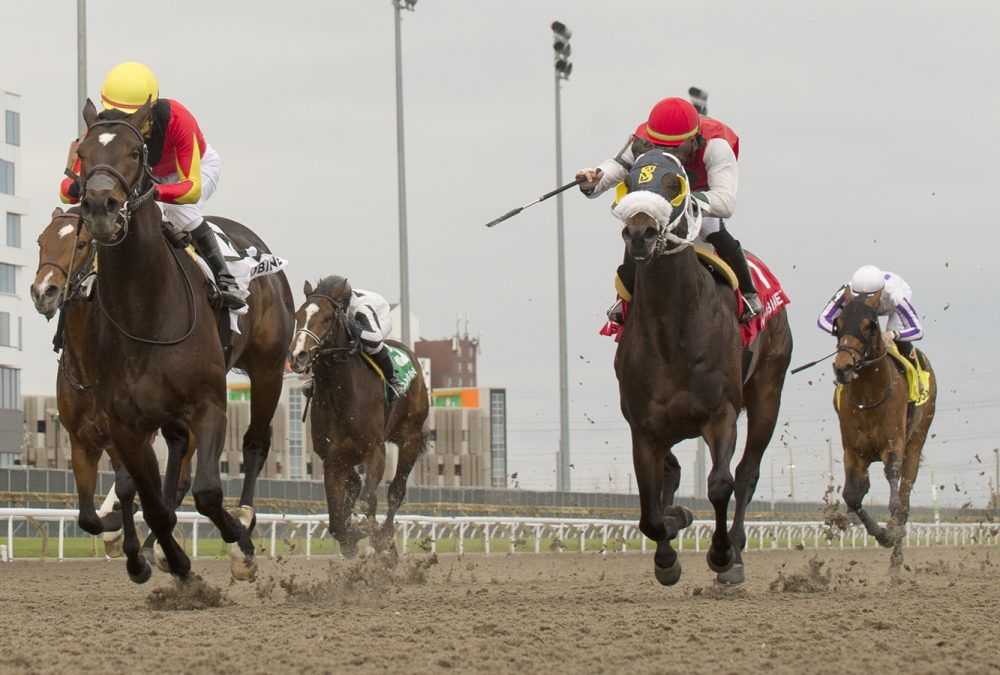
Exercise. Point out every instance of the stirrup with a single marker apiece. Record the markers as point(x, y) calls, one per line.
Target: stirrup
point(752, 306)
point(229, 292)
point(395, 387)
point(615, 314)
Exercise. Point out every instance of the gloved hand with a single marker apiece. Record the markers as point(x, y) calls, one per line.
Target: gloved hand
point(592, 176)
point(888, 336)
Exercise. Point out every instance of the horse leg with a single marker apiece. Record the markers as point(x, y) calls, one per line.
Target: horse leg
point(374, 470)
point(894, 529)
point(337, 474)
point(720, 435)
point(856, 486)
point(209, 428)
point(410, 444)
point(266, 385)
point(650, 470)
point(84, 459)
point(136, 564)
point(178, 439)
point(762, 403)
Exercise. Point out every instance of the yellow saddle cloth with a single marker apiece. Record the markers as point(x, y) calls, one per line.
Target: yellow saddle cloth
point(918, 380)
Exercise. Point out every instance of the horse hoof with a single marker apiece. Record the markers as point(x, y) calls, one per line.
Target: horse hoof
point(726, 566)
point(668, 576)
point(113, 544)
point(144, 575)
point(242, 567)
point(681, 514)
point(732, 577)
point(885, 539)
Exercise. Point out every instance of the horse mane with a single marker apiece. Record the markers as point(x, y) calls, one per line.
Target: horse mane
point(111, 114)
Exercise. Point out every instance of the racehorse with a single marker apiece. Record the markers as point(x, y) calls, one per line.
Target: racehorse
point(680, 374)
point(65, 264)
point(350, 421)
point(876, 423)
point(153, 347)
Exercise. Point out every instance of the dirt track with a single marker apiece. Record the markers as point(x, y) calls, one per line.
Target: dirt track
point(526, 612)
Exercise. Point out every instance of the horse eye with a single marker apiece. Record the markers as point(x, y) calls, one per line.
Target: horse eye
point(135, 154)
point(80, 245)
point(327, 320)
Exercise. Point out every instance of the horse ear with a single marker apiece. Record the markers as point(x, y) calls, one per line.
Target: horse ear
point(140, 116)
point(670, 185)
point(308, 288)
point(57, 212)
point(89, 113)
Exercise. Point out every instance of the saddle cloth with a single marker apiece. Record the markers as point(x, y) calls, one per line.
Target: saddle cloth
point(404, 368)
point(244, 264)
point(769, 290)
point(918, 379)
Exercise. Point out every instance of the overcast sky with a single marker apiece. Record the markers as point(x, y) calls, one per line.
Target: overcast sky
point(868, 135)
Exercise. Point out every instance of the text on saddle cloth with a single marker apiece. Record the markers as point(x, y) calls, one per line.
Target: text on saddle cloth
point(404, 369)
point(244, 265)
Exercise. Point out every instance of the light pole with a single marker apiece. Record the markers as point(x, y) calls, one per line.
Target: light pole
point(81, 63)
point(561, 35)
point(404, 265)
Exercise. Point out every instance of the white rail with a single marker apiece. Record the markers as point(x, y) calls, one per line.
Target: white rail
point(562, 533)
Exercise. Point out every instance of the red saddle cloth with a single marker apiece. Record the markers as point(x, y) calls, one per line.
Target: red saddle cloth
point(772, 296)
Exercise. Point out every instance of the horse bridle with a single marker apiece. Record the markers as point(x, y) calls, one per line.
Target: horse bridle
point(864, 360)
point(135, 195)
point(324, 346)
point(73, 281)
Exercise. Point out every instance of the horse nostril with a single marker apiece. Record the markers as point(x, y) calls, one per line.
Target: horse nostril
point(51, 291)
point(112, 205)
point(87, 203)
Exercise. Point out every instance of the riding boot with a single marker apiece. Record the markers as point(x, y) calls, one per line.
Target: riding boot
point(207, 247)
point(384, 361)
point(731, 252)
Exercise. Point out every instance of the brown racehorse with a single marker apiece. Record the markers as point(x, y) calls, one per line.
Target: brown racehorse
point(65, 261)
point(679, 372)
point(350, 422)
point(874, 423)
point(153, 346)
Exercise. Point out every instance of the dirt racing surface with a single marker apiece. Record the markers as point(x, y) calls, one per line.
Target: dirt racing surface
point(799, 612)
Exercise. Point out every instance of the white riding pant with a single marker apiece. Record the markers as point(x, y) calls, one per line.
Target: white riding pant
point(374, 328)
point(188, 216)
point(709, 226)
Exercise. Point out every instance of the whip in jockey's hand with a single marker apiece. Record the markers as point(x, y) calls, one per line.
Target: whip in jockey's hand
point(592, 177)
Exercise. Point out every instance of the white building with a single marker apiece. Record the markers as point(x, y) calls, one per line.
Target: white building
point(13, 262)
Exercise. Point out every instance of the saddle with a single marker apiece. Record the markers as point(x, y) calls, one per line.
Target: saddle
point(405, 370)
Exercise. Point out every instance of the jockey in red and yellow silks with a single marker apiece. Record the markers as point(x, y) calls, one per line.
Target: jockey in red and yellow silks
point(186, 167)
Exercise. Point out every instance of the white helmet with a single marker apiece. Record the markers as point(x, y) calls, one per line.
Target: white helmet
point(868, 279)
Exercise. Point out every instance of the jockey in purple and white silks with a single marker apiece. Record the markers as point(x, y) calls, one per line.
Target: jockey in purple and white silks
point(903, 324)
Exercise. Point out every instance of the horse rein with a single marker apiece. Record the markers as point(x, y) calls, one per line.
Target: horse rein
point(136, 197)
point(335, 353)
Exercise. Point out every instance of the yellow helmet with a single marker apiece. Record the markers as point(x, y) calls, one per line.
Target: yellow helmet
point(127, 87)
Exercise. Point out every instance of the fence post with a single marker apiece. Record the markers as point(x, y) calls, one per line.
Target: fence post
point(538, 538)
point(486, 539)
point(406, 535)
point(194, 538)
point(434, 538)
point(62, 537)
point(309, 540)
point(461, 538)
point(10, 538)
point(274, 537)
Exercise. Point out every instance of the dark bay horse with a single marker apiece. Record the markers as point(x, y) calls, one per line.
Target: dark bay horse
point(350, 423)
point(874, 422)
point(153, 346)
point(66, 257)
point(680, 374)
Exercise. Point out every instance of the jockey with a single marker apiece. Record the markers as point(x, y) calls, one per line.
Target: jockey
point(371, 312)
point(708, 150)
point(186, 167)
point(894, 296)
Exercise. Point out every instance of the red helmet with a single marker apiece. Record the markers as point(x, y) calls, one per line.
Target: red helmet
point(671, 122)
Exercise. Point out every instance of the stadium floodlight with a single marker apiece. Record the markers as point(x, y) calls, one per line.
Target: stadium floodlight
point(561, 35)
point(699, 97)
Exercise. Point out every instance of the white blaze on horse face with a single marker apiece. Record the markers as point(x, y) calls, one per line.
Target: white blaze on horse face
point(66, 229)
point(43, 284)
point(106, 138)
point(310, 310)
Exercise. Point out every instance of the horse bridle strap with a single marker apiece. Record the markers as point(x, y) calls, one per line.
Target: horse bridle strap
point(860, 364)
point(136, 196)
point(336, 353)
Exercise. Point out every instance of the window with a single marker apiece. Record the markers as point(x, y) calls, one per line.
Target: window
point(12, 121)
point(5, 329)
point(8, 276)
point(6, 177)
point(10, 388)
point(10, 459)
point(14, 229)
